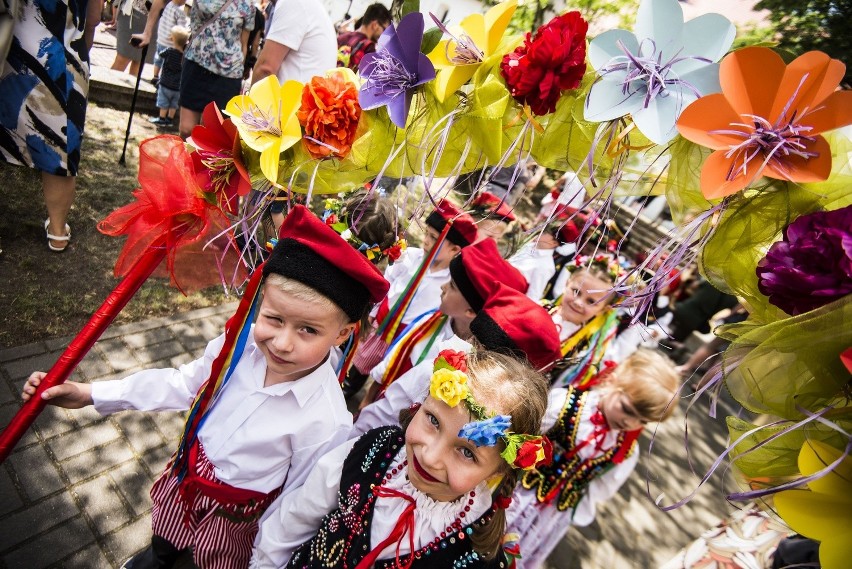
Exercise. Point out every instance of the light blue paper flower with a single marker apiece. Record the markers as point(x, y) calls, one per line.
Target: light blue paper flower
point(486, 433)
point(654, 73)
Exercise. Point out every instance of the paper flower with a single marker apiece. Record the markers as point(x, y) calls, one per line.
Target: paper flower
point(486, 432)
point(812, 265)
point(553, 61)
point(457, 59)
point(266, 119)
point(768, 119)
point(824, 511)
point(329, 114)
point(451, 359)
point(396, 69)
point(449, 386)
point(217, 159)
point(654, 74)
point(527, 451)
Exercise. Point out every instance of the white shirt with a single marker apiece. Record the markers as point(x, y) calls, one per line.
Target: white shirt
point(536, 265)
point(173, 15)
point(428, 294)
point(256, 437)
point(410, 387)
point(305, 27)
point(417, 352)
point(297, 517)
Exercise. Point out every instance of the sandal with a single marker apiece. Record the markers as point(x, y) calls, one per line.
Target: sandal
point(65, 238)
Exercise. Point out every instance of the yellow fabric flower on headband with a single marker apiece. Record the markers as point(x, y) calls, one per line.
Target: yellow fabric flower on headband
point(449, 386)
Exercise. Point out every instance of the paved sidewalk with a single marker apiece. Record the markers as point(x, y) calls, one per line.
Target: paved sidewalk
point(74, 493)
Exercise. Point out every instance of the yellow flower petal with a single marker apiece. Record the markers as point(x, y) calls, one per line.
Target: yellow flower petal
point(496, 22)
point(836, 552)
point(269, 160)
point(815, 456)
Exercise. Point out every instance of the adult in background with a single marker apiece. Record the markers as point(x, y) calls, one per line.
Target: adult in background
point(300, 43)
point(44, 83)
point(352, 46)
point(214, 56)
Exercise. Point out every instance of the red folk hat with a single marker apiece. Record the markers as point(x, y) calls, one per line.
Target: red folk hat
point(566, 229)
point(511, 322)
point(463, 230)
point(312, 253)
point(478, 267)
point(491, 205)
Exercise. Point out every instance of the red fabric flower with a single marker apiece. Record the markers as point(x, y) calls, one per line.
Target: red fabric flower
point(457, 360)
point(394, 252)
point(331, 219)
point(217, 160)
point(527, 454)
point(553, 61)
point(329, 114)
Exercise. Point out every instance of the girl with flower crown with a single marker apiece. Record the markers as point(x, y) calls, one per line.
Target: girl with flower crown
point(595, 448)
point(430, 494)
point(586, 320)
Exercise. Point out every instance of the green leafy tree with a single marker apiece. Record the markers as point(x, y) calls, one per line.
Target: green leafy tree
point(805, 25)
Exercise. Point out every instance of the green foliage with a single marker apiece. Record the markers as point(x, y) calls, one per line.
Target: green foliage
point(805, 25)
point(533, 13)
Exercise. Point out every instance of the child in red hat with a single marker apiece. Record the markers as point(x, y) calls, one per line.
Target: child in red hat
point(422, 288)
point(493, 215)
point(473, 273)
point(508, 322)
point(264, 400)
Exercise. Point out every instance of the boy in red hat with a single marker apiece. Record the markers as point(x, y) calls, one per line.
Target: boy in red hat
point(264, 400)
point(493, 214)
point(508, 322)
point(414, 290)
point(473, 274)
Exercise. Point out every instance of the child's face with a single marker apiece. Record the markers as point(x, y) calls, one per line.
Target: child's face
point(445, 253)
point(453, 303)
point(619, 412)
point(493, 228)
point(579, 303)
point(295, 336)
point(440, 464)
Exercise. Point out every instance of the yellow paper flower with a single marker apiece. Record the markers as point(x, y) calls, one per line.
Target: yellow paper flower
point(824, 511)
point(449, 386)
point(457, 59)
point(266, 120)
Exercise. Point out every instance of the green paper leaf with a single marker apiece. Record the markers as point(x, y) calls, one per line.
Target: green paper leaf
point(409, 6)
point(431, 37)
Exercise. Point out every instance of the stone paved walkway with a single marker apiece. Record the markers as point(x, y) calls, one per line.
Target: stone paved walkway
point(74, 493)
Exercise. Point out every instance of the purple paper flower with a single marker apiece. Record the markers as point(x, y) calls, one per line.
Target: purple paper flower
point(812, 265)
point(395, 69)
point(486, 433)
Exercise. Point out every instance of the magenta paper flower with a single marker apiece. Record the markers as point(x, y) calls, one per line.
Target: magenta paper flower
point(812, 265)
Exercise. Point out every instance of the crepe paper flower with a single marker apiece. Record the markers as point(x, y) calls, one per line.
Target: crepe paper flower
point(824, 511)
point(488, 432)
point(449, 386)
point(812, 265)
point(846, 359)
point(451, 359)
point(768, 119)
point(266, 120)
point(396, 69)
point(527, 451)
point(512, 548)
point(329, 114)
point(217, 160)
point(457, 59)
point(540, 70)
point(654, 73)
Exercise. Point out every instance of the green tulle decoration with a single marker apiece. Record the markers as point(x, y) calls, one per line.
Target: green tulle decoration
point(791, 363)
point(683, 191)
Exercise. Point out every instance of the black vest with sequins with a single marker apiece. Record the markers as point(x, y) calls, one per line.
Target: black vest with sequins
point(565, 481)
point(343, 538)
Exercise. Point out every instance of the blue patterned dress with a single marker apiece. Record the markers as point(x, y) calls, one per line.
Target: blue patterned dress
point(43, 87)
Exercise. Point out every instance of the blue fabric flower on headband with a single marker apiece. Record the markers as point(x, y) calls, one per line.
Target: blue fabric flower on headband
point(488, 432)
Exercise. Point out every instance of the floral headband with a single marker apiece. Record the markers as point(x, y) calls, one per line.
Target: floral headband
point(338, 221)
point(607, 264)
point(449, 384)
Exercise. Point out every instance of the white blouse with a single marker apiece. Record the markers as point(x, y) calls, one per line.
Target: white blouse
point(536, 265)
point(256, 437)
point(428, 295)
point(297, 516)
point(417, 352)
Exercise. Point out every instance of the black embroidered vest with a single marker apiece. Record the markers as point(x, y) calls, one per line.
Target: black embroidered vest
point(343, 538)
point(565, 481)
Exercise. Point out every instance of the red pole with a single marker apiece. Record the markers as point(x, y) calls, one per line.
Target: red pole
point(81, 344)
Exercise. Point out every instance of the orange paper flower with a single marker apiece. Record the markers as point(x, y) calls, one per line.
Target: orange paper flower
point(329, 114)
point(768, 119)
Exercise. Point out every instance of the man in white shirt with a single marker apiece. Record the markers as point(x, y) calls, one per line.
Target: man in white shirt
point(300, 44)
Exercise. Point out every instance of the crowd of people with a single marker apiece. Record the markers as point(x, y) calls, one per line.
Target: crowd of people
point(500, 388)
